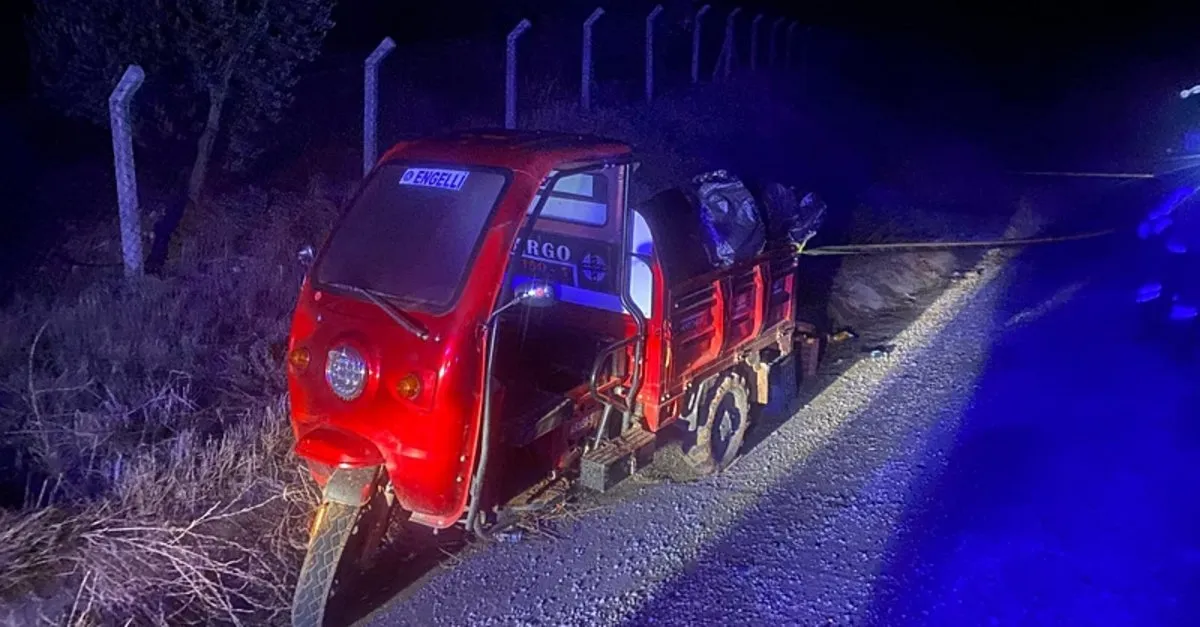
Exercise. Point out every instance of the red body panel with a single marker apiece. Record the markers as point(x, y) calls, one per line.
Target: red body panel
point(428, 444)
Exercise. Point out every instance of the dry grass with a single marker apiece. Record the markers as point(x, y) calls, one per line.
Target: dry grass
point(207, 532)
point(150, 433)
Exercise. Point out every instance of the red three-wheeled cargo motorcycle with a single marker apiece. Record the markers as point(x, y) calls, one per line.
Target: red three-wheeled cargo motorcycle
point(489, 312)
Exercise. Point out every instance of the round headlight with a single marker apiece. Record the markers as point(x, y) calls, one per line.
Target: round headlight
point(346, 372)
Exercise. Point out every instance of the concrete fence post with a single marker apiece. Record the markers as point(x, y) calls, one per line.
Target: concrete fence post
point(650, 19)
point(790, 35)
point(371, 102)
point(585, 80)
point(754, 41)
point(774, 51)
point(730, 44)
point(126, 171)
point(510, 74)
point(697, 29)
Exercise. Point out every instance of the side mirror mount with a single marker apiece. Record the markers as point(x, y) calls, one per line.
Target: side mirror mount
point(306, 255)
point(535, 293)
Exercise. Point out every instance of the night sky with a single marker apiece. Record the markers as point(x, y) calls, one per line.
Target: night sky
point(1040, 42)
point(1021, 57)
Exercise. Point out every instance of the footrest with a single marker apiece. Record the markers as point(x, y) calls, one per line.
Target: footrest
point(544, 494)
point(615, 460)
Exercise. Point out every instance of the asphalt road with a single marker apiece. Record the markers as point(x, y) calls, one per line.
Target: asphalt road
point(1066, 496)
point(1021, 458)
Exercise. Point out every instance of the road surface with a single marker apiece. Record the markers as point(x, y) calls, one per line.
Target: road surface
point(1020, 458)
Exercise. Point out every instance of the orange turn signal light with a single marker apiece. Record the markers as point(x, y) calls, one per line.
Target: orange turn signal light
point(299, 359)
point(409, 387)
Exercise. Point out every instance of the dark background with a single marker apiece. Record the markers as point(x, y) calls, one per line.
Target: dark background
point(1029, 46)
point(1035, 87)
point(992, 65)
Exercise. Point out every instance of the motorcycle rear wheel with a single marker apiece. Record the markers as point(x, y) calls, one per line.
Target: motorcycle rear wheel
point(724, 418)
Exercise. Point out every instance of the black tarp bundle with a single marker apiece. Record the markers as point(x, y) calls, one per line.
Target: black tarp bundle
point(716, 220)
point(731, 218)
point(791, 219)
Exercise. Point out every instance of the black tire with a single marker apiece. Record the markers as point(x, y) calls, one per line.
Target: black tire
point(340, 545)
point(724, 418)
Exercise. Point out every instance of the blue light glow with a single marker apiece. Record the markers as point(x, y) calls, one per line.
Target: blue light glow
point(1149, 292)
point(1183, 311)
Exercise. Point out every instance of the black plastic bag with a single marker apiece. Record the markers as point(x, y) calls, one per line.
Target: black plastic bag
point(730, 217)
point(791, 219)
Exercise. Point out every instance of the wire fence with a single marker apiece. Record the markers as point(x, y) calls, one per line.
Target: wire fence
point(599, 59)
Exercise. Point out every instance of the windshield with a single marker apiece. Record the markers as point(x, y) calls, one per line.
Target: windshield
point(412, 232)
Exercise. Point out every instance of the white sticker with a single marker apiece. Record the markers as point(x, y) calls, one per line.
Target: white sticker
point(431, 177)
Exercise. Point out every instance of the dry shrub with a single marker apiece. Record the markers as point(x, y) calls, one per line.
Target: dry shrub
point(206, 532)
point(149, 429)
point(203, 533)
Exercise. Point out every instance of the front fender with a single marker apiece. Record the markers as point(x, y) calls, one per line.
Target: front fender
point(351, 486)
point(338, 449)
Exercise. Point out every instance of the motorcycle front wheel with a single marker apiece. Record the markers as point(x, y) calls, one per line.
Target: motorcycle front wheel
point(341, 542)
